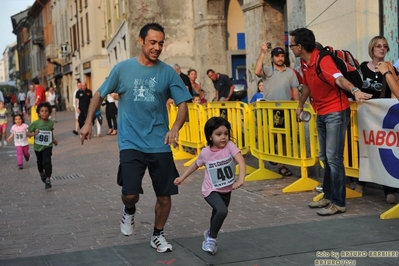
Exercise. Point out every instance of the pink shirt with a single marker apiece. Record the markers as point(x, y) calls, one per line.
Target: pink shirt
point(19, 132)
point(220, 168)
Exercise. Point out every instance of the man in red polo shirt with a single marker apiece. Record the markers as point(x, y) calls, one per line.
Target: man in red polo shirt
point(332, 108)
point(40, 95)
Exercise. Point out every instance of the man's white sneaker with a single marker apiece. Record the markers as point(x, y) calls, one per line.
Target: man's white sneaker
point(127, 223)
point(160, 243)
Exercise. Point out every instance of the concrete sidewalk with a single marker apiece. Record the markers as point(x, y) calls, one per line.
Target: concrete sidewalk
point(77, 221)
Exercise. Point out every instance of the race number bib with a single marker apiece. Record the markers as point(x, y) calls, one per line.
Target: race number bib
point(19, 136)
point(221, 172)
point(44, 138)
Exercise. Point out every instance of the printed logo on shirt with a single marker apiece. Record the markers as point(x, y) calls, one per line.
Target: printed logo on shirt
point(144, 89)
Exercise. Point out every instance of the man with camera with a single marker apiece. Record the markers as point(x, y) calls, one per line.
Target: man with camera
point(280, 83)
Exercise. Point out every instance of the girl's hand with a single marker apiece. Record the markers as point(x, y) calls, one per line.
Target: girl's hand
point(55, 142)
point(238, 184)
point(8, 140)
point(178, 181)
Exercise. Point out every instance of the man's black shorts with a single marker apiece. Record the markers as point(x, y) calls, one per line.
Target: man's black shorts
point(161, 167)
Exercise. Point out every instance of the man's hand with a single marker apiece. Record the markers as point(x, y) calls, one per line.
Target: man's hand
point(85, 132)
point(171, 137)
point(263, 48)
point(362, 96)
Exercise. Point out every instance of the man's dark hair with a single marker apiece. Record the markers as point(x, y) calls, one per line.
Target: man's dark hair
point(210, 70)
point(150, 26)
point(305, 38)
point(35, 81)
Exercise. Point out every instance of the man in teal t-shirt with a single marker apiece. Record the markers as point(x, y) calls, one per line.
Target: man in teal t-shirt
point(144, 84)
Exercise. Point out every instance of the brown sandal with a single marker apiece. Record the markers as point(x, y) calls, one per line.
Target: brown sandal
point(284, 171)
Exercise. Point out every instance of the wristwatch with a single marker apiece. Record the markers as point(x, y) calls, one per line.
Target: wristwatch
point(355, 89)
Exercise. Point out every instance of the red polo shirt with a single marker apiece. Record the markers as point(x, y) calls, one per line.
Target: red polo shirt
point(40, 94)
point(327, 98)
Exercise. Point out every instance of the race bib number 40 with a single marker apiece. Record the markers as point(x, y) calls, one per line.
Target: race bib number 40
point(44, 138)
point(221, 172)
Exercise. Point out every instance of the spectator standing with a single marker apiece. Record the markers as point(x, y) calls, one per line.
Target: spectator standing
point(40, 92)
point(223, 85)
point(21, 100)
point(378, 48)
point(110, 113)
point(192, 75)
point(332, 108)
point(144, 84)
point(259, 95)
point(280, 83)
point(3, 124)
point(83, 96)
point(184, 77)
point(52, 99)
point(75, 102)
point(30, 98)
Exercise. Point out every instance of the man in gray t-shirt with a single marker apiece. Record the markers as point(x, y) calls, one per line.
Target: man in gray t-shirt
point(280, 83)
point(30, 98)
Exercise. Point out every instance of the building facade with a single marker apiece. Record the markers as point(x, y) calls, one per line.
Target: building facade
point(225, 35)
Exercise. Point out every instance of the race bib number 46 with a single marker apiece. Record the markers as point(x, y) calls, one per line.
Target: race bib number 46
point(44, 138)
point(221, 172)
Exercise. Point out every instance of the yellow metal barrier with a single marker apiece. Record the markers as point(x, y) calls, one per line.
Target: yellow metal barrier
point(193, 136)
point(178, 152)
point(288, 143)
point(33, 117)
point(276, 136)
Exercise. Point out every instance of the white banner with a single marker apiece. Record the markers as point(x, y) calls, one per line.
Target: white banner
point(378, 122)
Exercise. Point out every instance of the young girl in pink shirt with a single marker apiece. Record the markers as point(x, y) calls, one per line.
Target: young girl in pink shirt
point(18, 131)
point(219, 157)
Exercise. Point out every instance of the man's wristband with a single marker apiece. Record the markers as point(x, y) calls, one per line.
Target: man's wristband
point(355, 89)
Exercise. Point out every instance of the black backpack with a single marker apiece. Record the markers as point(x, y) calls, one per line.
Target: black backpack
point(347, 65)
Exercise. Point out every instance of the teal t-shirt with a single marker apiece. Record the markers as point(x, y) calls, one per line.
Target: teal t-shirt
point(142, 113)
point(45, 137)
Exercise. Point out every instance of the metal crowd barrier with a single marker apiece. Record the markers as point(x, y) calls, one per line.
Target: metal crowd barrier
point(275, 137)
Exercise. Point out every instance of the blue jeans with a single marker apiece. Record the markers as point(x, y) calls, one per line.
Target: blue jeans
point(331, 130)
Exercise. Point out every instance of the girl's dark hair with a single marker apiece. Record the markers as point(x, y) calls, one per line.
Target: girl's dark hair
point(259, 81)
point(45, 104)
point(214, 123)
point(150, 26)
point(15, 115)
